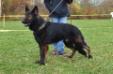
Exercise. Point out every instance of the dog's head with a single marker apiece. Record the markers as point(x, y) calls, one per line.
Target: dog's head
point(30, 15)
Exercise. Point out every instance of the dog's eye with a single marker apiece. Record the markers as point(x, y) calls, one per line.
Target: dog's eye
point(29, 17)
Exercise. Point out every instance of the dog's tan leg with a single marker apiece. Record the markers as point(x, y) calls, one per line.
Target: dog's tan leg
point(45, 50)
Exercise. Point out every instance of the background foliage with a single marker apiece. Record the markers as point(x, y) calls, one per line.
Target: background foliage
point(86, 7)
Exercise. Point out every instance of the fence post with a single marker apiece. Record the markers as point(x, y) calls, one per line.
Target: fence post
point(0, 7)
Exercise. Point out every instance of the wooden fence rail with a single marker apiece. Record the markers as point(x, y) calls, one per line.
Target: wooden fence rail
point(99, 16)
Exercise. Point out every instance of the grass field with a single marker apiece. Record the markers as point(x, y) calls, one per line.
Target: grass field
point(19, 51)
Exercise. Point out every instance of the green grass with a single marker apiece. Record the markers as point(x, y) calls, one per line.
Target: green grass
point(19, 51)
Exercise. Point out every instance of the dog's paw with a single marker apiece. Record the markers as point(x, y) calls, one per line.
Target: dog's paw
point(90, 57)
point(40, 62)
point(67, 56)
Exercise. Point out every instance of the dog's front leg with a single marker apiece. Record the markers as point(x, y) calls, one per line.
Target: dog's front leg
point(43, 52)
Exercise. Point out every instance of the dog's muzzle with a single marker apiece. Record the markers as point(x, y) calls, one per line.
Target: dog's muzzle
point(25, 23)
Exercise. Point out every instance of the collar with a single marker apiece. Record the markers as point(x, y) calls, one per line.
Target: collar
point(42, 26)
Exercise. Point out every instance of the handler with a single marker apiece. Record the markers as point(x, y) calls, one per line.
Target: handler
point(59, 12)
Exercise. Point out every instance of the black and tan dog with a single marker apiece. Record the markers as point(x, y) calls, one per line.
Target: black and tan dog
point(47, 32)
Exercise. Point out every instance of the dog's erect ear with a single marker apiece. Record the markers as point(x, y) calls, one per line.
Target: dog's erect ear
point(35, 10)
point(26, 8)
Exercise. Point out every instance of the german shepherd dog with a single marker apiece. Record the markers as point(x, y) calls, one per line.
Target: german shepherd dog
point(46, 32)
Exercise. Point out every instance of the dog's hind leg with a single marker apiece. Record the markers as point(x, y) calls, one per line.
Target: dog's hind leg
point(80, 45)
point(68, 43)
point(72, 54)
point(84, 50)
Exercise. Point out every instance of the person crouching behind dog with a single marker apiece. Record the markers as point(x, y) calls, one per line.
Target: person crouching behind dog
point(59, 12)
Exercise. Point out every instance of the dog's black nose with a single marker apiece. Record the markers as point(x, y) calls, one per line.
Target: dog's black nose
point(23, 22)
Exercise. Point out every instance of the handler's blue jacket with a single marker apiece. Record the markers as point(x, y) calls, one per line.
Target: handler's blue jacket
point(61, 10)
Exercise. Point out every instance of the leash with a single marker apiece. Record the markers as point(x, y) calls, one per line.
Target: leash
point(44, 24)
point(55, 8)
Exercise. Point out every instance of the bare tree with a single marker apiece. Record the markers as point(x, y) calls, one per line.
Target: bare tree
point(106, 7)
